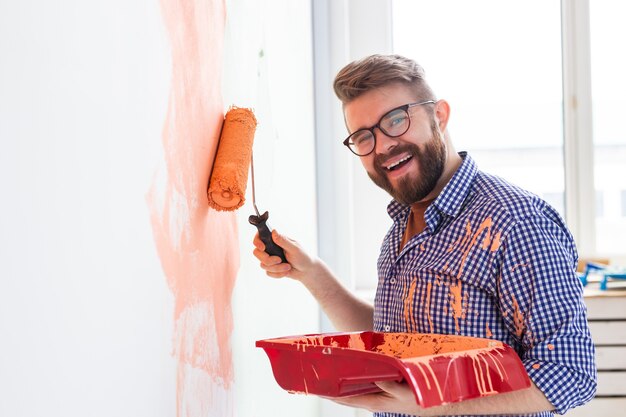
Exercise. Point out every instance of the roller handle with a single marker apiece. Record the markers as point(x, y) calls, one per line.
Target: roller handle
point(265, 233)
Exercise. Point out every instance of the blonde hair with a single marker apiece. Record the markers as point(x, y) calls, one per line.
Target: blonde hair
point(377, 71)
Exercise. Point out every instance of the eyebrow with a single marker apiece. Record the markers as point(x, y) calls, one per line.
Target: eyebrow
point(365, 127)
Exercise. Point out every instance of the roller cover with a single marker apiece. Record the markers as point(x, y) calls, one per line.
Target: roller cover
point(227, 187)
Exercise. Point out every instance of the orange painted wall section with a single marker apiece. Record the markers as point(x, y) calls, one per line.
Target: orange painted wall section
point(197, 246)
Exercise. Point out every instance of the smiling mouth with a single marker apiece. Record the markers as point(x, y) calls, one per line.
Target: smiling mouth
point(399, 164)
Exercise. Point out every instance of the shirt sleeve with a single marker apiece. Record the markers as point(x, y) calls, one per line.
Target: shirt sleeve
point(540, 299)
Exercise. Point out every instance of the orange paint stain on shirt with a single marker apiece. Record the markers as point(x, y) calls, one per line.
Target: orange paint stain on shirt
point(467, 236)
point(456, 302)
point(499, 280)
point(438, 280)
point(520, 265)
point(536, 366)
point(488, 330)
point(454, 245)
point(550, 346)
point(495, 243)
point(469, 241)
point(465, 310)
point(518, 319)
point(430, 320)
point(486, 224)
point(487, 239)
point(405, 305)
point(409, 305)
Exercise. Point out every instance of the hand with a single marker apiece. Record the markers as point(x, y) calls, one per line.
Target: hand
point(395, 397)
point(300, 263)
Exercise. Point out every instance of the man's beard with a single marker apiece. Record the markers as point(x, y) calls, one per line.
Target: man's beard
point(431, 159)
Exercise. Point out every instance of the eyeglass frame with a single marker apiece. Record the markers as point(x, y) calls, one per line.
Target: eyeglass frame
point(404, 107)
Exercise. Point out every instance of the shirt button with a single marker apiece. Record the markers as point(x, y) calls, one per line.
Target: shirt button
point(387, 328)
point(392, 280)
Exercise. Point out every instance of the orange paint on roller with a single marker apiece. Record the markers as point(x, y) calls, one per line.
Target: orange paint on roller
point(227, 187)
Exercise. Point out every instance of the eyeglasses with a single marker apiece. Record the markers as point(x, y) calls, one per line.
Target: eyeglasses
point(393, 124)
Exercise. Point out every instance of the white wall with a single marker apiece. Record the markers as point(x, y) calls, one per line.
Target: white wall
point(268, 66)
point(85, 312)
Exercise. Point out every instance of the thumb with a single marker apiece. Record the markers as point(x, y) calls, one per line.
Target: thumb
point(282, 241)
point(392, 387)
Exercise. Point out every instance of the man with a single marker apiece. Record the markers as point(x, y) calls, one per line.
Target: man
point(467, 254)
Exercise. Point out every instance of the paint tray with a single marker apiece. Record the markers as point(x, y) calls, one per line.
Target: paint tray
point(438, 368)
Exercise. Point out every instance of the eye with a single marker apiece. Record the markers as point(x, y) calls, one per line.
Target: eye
point(361, 137)
point(395, 119)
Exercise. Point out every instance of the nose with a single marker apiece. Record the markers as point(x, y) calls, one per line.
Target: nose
point(384, 143)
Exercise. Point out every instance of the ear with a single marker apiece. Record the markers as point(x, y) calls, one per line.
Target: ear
point(442, 114)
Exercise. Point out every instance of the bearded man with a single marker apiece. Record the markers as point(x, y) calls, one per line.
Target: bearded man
point(488, 258)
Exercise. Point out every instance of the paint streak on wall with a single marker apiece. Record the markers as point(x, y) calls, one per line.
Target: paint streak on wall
point(197, 246)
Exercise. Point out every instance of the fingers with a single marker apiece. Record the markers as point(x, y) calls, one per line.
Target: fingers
point(282, 241)
point(268, 261)
point(277, 274)
point(257, 242)
point(395, 396)
point(259, 252)
point(272, 265)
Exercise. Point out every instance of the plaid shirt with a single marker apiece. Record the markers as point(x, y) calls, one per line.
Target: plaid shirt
point(498, 262)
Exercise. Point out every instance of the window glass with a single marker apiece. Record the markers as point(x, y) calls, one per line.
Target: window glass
point(599, 204)
point(498, 64)
point(609, 130)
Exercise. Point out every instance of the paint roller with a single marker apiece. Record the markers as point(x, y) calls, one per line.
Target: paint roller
point(227, 186)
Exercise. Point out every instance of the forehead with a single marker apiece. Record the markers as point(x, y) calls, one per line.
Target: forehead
point(367, 109)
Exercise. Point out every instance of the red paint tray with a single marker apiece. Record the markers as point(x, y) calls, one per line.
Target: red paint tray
point(439, 368)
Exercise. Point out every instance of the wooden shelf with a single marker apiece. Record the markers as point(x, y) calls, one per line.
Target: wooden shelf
point(606, 312)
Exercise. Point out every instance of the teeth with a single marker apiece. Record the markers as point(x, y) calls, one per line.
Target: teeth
point(395, 164)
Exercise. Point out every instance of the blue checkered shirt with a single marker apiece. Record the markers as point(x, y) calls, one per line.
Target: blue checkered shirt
point(494, 261)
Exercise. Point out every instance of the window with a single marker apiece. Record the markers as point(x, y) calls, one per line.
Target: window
point(502, 80)
point(609, 130)
point(536, 89)
point(537, 97)
point(599, 204)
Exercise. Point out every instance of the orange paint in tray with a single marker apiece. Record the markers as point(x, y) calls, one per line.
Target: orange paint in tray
point(439, 369)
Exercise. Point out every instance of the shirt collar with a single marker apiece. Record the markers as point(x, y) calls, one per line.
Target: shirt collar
point(450, 200)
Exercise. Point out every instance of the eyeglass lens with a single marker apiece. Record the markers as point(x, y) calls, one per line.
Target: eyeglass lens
point(392, 124)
